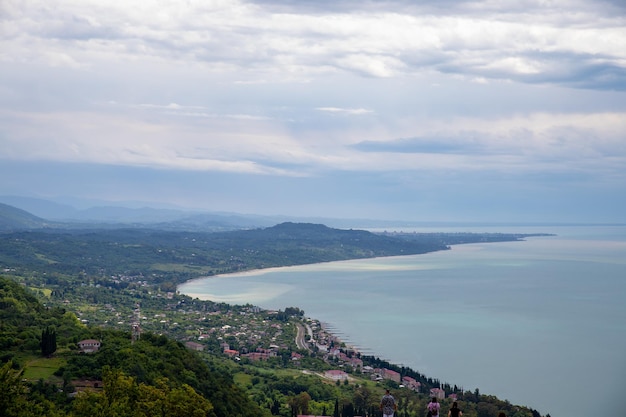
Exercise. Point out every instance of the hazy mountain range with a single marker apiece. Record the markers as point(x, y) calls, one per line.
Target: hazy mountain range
point(31, 213)
point(18, 213)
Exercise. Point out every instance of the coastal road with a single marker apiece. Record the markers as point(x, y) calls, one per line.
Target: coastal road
point(300, 335)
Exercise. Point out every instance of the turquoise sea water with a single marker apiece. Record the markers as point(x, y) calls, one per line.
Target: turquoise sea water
point(540, 323)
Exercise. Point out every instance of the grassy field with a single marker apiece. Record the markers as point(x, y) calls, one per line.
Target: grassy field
point(43, 257)
point(182, 268)
point(37, 368)
point(46, 292)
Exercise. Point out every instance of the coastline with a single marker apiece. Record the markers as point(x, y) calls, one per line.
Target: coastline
point(513, 237)
point(271, 269)
point(499, 330)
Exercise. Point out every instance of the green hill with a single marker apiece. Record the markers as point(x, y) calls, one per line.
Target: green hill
point(155, 367)
point(193, 254)
point(12, 218)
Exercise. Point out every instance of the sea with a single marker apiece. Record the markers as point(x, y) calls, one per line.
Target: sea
point(539, 322)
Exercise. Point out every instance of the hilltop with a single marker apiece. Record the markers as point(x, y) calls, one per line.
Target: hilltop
point(12, 218)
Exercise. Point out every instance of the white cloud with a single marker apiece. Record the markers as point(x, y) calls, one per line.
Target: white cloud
point(277, 88)
point(379, 43)
point(346, 111)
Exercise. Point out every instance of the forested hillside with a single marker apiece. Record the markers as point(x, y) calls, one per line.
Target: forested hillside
point(175, 257)
point(178, 256)
point(12, 218)
point(154, 370)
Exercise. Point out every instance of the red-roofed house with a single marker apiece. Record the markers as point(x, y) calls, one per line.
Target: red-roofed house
point(438, 393)
point(231, 352)
point(411, 383)
point(336, 375)
point(390, 374)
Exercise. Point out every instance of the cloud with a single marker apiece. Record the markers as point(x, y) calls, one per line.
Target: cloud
point(408, 97)
point(526, 43)
point(344, 111)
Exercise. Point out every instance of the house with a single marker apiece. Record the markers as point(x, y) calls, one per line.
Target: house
point(438, 393)
point(336, 375)
point(87, 385)
point(411, 383)
point(356, 362)
point(231, 353)
point(89, 346)
point(194, 346)
point(257, 356)
point(390, 374)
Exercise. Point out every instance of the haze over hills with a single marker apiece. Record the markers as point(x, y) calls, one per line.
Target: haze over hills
point(141, 214)
point(84, 214)
point(12, 218)
point(45, 213)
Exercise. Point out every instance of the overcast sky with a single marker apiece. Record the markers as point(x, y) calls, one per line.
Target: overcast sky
point(404, 110)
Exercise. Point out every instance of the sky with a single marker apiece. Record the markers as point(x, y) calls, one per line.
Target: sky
point(435, 110)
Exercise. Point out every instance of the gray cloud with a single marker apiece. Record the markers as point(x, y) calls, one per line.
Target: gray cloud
point(384, 104)
point(530, 42)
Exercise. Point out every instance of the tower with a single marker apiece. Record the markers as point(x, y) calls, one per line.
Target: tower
point(136, 325)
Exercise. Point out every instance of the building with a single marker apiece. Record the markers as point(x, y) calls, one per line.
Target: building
point(194, 346)
point(390, 374)
point(438, 393)
point(231, 353)
point(257, 356)
point(336, 375)
point(89, 346)
point(411, 383)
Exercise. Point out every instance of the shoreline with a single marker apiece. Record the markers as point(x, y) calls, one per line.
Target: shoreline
point(262, 271)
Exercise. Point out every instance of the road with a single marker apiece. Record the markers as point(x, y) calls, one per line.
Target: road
point(300, 337)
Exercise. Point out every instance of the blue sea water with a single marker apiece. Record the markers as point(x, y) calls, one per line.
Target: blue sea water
point(540, 323)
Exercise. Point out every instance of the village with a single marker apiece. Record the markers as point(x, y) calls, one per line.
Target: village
point(249, 334)
point(255, 335)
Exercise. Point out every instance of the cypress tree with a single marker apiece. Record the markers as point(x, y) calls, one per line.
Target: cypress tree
point(48, 341)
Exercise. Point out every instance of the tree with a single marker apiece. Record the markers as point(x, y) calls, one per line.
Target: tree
point(348, 410)
point(275, 410)
point(122, 396)
point(300, 403)
point(48, 341)
point(11, 389)
point(14, 396)
point(361, 398)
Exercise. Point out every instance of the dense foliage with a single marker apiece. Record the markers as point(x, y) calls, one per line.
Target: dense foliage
point(134, 251)
point(155, 366)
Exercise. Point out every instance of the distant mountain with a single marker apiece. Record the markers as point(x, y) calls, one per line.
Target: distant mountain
point(74, 213)
point(39, 207)
point(12, 218)
point(108, 216)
